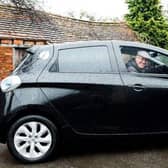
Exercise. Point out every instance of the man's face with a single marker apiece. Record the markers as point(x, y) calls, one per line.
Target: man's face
point(140, 61)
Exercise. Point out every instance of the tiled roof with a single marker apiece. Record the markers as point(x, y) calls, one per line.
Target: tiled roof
point(14, 25)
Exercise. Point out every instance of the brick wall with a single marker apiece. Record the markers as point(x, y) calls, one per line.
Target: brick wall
point(6, 64)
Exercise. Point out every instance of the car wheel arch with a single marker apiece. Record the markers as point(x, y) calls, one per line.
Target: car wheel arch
point(23, 111)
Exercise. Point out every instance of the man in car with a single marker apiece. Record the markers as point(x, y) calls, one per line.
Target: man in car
point(141, 64)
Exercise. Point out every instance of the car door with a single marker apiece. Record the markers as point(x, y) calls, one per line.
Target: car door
point(84, 86)
point(146, 93)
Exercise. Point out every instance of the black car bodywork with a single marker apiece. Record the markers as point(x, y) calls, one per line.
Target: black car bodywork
point(115, 102)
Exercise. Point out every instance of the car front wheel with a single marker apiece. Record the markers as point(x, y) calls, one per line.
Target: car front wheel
point(32, 139)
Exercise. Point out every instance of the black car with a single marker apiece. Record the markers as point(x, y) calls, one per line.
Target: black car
point(81, 89)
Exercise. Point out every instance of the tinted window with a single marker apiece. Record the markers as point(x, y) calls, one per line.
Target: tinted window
point(86, 59)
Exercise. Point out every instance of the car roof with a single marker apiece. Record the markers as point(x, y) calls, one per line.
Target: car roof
point(118, 42)
point(82, 43)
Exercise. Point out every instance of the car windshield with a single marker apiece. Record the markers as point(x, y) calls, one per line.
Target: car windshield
point(30, 60)
point(162, 58)
point(26, 62)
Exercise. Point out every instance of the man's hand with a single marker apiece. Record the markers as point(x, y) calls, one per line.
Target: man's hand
point(162, 69)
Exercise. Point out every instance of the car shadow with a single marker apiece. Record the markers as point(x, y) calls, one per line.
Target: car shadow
point(119, 145)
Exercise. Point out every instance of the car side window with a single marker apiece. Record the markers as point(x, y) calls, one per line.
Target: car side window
point(142, 60)
point(84, 59)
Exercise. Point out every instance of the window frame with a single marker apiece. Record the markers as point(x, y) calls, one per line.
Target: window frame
point(147, 50)
point(108, 45)
point(142, 46)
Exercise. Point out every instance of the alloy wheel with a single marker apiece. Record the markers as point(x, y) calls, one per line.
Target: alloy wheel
point(32, 140)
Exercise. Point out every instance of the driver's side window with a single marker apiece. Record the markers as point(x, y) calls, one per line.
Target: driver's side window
point(144, 61)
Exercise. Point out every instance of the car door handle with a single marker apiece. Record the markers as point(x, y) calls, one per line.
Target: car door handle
point(138, 87)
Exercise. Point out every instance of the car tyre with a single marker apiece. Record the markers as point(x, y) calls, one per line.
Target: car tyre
point(33, 139)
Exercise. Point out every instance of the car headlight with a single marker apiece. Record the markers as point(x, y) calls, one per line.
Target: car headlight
point(10, 83)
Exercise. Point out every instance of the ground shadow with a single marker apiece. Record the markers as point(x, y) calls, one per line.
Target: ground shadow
point(114, 145)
